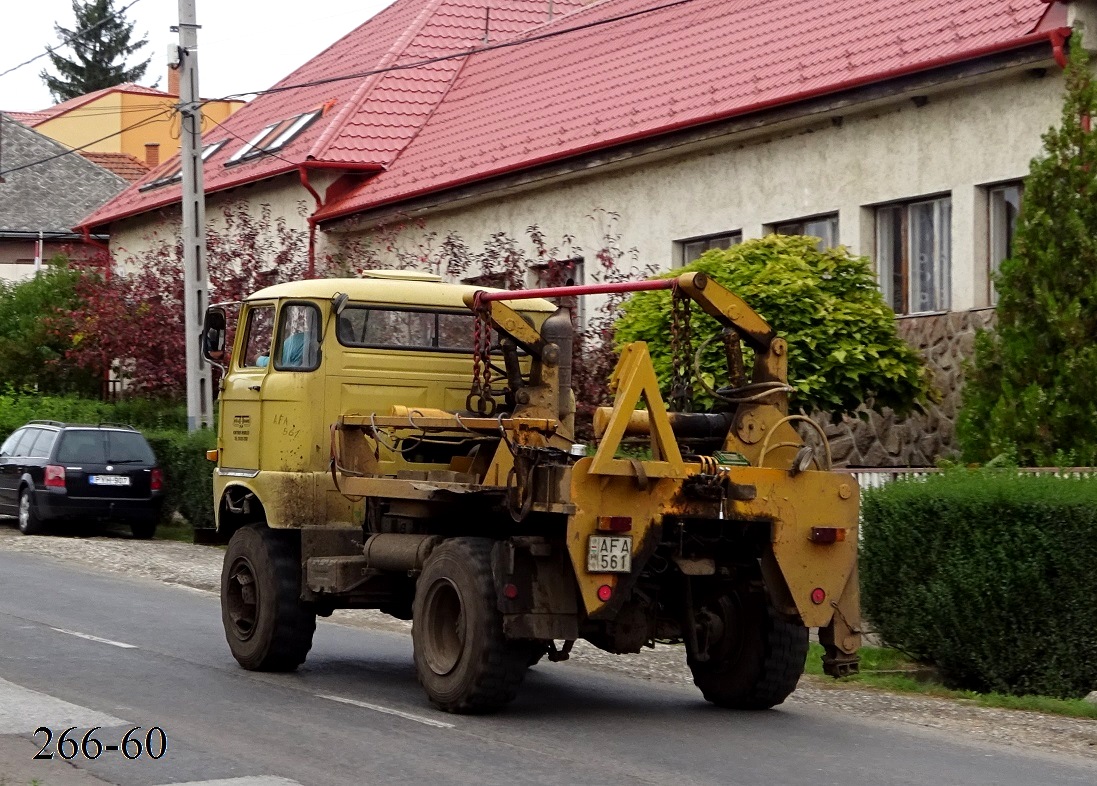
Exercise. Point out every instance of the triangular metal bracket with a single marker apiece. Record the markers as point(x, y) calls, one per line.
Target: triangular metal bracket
point(634, 378)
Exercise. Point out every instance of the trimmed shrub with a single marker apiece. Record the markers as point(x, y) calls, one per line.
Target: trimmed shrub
point(188, 474)
point(17, 407)
point(843, 346)
point(989, 576)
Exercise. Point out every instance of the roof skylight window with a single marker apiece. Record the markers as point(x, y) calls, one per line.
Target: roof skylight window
point(175, 174)
point(273, 137)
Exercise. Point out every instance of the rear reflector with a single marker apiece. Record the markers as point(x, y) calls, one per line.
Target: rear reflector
point(818, 595)
point(156, 482)
point(605, 592)
point(827, 535)
point(55, 477)
point(614, 524)
point(510, 591)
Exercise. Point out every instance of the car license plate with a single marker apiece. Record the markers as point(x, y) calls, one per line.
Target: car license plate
point(609, 555)
point(108, 480)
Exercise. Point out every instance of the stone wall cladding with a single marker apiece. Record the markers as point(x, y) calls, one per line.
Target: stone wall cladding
point(918, 440)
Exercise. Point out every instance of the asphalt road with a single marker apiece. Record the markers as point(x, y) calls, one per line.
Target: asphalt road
point(82, 649)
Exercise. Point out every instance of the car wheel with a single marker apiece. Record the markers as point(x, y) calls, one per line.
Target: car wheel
point(29, 523)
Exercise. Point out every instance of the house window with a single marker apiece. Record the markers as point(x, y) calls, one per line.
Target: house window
point(689, 250)
point(175, 174)
point(273, 137)
point(562, 273)
point(1005, 205)
point(914, 255)
point(823, 227)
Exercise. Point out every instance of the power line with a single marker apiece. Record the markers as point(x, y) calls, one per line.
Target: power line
point(78, 34)
point(64, 153)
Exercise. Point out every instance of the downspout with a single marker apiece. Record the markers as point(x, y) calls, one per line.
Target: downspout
point(90, 241)
point(304, 172)
point(1059, 38)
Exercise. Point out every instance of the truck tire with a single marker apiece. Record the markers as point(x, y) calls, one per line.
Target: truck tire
point(462, 658)
point(267, 625)
point(757, 661)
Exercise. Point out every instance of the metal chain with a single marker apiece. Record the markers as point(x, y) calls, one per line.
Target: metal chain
point(681, 347)
point(481, 398)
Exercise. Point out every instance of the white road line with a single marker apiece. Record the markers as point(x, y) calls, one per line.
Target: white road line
point(23, 710)
point(89, 637)
point(255, 780)
point(388, 711)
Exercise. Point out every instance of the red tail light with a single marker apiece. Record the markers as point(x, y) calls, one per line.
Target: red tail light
point(614, 524)
point(55, 477)
point(156, 482)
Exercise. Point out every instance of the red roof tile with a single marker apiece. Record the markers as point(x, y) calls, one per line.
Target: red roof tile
point(124, 165)
point(29, 119)
point(684, 65)
point(373, 117)
point(87, 98)
point(665, 65)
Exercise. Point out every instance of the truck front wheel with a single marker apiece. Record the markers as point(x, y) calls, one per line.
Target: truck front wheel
point(267, 625)
point(754, 657)
point(462, 658)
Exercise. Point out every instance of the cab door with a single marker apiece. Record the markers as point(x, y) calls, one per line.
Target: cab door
point(242, 395)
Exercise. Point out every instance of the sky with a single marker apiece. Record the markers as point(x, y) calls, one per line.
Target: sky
point(243, 45)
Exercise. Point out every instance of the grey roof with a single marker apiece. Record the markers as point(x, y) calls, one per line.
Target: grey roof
point(51, 196)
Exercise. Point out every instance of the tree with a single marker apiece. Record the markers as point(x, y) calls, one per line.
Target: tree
point(843, 347)
point(1030, 391)
point(130, 325)
point(35, 333)
point(101, 44)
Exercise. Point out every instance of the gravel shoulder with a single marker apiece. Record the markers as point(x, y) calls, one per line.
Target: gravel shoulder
point(199, 567)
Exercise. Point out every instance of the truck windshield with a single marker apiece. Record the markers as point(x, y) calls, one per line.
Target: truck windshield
point(405, 329)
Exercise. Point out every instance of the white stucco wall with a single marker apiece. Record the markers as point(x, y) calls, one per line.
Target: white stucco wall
point(285, 196)
point(960, 141)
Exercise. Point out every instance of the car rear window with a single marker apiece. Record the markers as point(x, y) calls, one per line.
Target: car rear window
point(104, 447)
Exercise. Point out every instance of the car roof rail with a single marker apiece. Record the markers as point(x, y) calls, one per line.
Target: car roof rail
point(108, 424)
point(45, 423)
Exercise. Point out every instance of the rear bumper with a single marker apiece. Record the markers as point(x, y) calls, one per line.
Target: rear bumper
point(58, 504)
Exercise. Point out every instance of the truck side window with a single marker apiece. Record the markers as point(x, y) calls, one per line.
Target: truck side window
point(298, 347)
point(405, 329)
point(257, 341)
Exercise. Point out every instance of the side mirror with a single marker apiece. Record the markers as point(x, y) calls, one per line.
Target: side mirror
point(214, 331)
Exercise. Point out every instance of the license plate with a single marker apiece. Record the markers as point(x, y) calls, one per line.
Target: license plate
point(609, 555)
point(108, 480)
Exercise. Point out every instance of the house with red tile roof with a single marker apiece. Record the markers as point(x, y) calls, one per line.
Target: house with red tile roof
point(899, 129)
point(127, 119)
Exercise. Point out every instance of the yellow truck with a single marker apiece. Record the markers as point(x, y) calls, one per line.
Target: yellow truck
point(399, 443)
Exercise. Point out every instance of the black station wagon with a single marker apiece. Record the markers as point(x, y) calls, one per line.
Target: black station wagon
point(52, 471)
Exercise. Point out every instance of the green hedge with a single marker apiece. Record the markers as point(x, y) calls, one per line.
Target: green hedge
point(990, 576)
point(188, 474)
point(16, 408)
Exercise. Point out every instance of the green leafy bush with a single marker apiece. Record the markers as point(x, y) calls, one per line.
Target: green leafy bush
point(35, 332)
point(188, 474)
point(843, 348)
point(16, 408)
point(989, 576)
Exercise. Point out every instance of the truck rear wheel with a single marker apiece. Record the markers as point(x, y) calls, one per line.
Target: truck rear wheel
point(463, 660)
point(267, 625)
point(755, 658)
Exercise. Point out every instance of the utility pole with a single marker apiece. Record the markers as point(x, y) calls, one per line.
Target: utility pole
point(195, 279)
